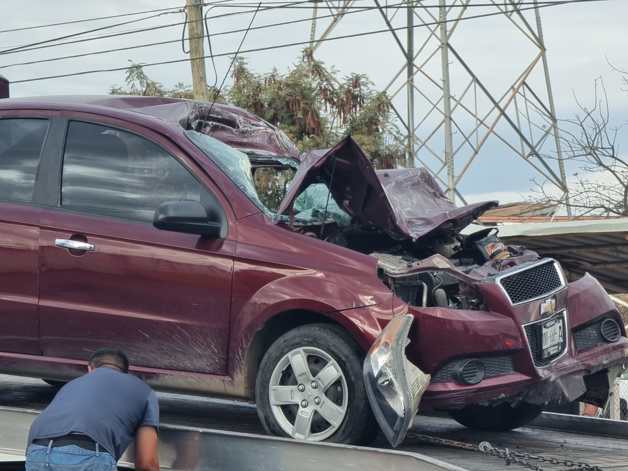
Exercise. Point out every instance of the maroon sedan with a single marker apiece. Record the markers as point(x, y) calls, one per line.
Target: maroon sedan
point(124, 223)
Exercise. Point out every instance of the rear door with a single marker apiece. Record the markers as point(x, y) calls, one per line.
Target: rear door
point(21, 143)
point(109, 278)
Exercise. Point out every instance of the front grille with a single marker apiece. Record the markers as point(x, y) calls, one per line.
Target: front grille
point(532, 283)
point(534, 334)
point(591, 335)
point(493, 366)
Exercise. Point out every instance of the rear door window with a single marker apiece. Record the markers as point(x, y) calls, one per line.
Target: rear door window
point(109, 172)
point(21, 141)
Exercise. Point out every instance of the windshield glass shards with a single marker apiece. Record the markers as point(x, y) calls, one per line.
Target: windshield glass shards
point(235, 164)
point(317, 204)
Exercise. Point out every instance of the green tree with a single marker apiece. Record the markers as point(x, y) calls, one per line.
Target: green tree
point(309, 102)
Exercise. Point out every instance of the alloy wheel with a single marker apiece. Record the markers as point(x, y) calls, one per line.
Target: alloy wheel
point(308, 394)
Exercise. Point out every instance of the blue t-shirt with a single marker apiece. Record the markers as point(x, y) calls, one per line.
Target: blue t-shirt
point(106, 405)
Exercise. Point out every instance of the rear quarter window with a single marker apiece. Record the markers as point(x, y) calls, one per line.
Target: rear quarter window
point(21, 141)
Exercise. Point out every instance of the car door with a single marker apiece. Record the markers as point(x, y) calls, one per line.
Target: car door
point(21, 142)
point(109, 278)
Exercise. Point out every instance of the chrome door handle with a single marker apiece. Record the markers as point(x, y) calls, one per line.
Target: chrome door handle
point(74, 245)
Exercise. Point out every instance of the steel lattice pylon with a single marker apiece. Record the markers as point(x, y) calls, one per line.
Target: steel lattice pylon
point(462, 114)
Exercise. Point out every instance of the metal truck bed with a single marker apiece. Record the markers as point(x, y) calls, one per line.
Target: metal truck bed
point(234, 443)
point(189, 448)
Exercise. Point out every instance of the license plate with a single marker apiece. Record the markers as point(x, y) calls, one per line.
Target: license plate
point(552, 337)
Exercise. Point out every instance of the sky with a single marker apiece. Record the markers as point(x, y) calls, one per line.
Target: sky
point(582, 41)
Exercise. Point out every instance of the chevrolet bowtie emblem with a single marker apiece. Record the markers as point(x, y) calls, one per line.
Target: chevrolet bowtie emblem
point(548, 307)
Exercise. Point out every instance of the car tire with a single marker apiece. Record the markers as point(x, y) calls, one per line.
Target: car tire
point(334, 406)
point(498, 418)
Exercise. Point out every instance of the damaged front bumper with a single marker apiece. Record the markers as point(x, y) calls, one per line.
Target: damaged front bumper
point(504, 340)
point(584, 376)
point(588, 377)
point(393, 384)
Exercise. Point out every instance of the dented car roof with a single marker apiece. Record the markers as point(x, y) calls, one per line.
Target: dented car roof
point(230, 124)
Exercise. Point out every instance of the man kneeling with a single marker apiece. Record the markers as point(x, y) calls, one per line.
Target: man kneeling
point(93, 419)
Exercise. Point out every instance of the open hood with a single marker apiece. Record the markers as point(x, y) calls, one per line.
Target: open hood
point(404, 203)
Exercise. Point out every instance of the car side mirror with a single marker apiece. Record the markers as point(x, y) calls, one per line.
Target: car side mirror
point(189, 217)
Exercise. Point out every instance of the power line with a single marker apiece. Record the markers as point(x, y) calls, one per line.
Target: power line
point(80, 33)
point(185, 24)
point(105, 36)
point(99, 18)
point(135, 13)
point(276, 5)
point(27, 47)
point(305, 43)
point(86, 20)
point(513, 6)
point(122, 15)
point(161, 43)
point(210, 46)
point(233, 59)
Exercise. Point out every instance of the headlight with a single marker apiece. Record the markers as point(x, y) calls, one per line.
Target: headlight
point(393, 384)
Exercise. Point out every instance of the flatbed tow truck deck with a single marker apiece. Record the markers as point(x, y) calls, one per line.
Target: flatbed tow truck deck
point(197, 426)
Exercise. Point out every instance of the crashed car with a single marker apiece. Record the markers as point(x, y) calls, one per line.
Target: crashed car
point(135, 222)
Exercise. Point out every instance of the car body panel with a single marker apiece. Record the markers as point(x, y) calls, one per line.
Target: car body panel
point(421, 208)
point(156, 295)
point(131, 276)
point(352, 181)
point(534, 384)
point(586, 299)
point(192, 311)
point(492, 333)
point(19, 278)
point(19, 274)
point(405, 203)
point(278, 271)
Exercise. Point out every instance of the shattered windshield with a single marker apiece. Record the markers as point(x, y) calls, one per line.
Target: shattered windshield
point(232, 162)
point(315, 203)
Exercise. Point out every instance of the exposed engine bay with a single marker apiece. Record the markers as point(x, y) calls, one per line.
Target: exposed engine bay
point(461, 261)
point(402, 218)
point(440, 271)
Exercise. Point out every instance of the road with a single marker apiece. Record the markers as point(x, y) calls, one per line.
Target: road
point(608, 453)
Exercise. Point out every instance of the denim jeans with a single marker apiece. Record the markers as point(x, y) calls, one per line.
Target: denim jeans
point(66, 458)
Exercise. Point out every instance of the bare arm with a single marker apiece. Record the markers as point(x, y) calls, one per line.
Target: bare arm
point(146, 449)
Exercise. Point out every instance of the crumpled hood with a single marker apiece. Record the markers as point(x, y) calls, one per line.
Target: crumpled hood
point(404, 203)
point(421, 206)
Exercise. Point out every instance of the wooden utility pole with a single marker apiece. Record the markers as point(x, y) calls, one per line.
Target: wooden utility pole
point(196, 40)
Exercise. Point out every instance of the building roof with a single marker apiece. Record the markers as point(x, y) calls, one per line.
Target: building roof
point(489, 220)
point(522, 209)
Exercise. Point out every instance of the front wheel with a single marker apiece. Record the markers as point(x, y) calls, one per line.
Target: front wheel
point(498, 418)
point(309, 387)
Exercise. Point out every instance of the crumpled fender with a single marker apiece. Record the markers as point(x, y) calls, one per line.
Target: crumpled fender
point(587, 299)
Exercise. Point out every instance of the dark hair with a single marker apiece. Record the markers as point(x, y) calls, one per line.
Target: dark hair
point(110, 357)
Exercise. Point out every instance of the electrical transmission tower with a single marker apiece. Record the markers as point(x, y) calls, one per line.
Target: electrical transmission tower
point(449, 111)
